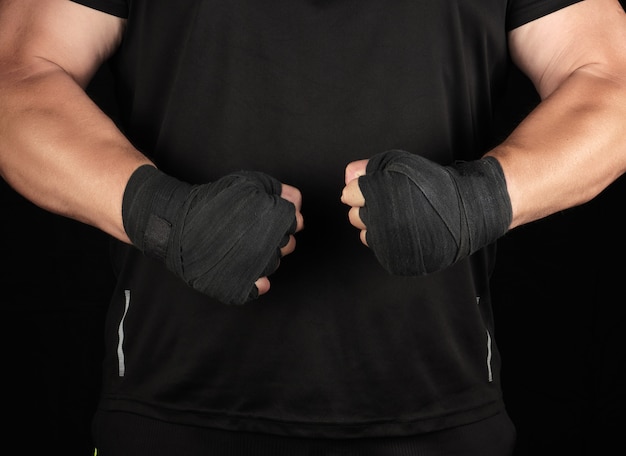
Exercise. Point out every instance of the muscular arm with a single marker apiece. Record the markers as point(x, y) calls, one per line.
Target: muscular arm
point(58, 149)
point(568, 150)
point(573, 145)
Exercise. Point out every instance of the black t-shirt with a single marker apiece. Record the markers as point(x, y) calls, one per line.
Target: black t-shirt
point(338, 347)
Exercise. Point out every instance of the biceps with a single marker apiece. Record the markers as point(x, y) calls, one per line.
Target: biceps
point(73, 37)
point(589, 34)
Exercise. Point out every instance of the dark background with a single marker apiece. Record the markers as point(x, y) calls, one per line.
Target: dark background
point(559, 306)
point(55, 283)
point(560, 310)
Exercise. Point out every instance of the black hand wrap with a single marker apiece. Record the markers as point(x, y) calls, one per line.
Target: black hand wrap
point(218, 237)
point(422, 217)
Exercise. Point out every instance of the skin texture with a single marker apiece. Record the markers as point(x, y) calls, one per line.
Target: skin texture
point(573, 145)
point(68, 157)
point(63, 154)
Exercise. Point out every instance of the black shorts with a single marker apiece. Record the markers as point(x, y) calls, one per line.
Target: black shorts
point(120, 434)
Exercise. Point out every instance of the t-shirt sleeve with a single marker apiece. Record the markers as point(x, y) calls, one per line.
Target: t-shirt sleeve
point(117, 8)
point(521, 12)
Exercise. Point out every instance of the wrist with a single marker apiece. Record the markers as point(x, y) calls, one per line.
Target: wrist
point(150, 205)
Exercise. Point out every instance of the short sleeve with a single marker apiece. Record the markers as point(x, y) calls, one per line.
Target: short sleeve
point(117, 8)
point(521, 12)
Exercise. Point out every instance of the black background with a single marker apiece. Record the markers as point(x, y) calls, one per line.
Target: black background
point(559, 305)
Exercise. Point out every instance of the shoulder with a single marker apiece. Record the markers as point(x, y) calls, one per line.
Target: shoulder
point(69, 35)
point(590, 32)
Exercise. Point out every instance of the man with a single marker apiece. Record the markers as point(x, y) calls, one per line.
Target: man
point(249, 109)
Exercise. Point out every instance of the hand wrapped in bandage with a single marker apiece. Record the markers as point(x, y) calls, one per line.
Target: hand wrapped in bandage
point(419, 217)
point(220, 238)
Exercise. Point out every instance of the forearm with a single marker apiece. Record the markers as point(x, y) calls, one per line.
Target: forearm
point(569, 149)
point(59, 150)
